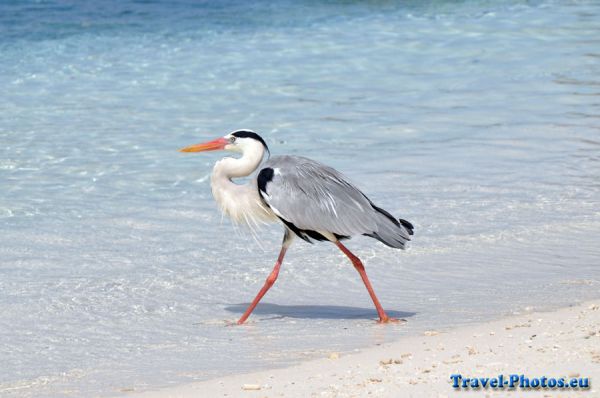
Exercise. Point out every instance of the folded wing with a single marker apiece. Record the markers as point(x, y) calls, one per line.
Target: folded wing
point(312, 198)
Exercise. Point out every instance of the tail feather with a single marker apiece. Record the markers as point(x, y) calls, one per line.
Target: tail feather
point(390, 231)
point(406, 224)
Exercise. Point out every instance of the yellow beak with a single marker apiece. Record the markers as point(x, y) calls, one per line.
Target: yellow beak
point(214, 145)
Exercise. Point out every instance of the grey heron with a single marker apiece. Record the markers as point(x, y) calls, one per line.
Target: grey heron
point(312, 200)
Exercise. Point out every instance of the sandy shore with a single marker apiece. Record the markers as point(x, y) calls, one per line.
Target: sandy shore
point(563, 343)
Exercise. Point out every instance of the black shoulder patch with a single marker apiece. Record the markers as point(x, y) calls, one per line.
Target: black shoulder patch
point(251, 134)
point(264, 176)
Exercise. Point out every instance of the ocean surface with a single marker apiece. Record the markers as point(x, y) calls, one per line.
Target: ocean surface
point(478, 121)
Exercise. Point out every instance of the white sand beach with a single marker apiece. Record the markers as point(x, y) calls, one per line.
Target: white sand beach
point(477, 121)
point(563, 343)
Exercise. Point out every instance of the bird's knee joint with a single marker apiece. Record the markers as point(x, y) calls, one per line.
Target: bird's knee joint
point(271, 279)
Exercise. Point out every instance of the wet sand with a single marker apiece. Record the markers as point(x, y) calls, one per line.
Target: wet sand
point(563, 343)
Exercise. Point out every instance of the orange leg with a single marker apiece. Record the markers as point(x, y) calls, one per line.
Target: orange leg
point(268, 283)
point(383, 318)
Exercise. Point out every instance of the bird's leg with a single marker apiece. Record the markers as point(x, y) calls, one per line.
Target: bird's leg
point(383, 318)
point(268, 283)
point(287, 240)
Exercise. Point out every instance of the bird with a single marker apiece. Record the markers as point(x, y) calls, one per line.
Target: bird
point(312, 201)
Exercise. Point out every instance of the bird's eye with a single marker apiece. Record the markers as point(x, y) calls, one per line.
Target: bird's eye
point(232, 139)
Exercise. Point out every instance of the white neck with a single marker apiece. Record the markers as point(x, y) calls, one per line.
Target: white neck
point(240, 167)
point(240, 202)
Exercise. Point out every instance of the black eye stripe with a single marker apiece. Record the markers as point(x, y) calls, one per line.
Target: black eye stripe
point(250, 134)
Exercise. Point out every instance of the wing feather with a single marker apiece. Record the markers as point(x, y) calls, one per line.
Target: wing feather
point(316, 197)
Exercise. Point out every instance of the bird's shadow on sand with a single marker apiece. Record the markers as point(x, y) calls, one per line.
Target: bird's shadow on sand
point(316, 311)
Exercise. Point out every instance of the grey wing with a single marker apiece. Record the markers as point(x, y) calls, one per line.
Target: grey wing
point(315, 197)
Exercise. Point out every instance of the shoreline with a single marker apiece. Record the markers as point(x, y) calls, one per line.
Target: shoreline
point(559, 343)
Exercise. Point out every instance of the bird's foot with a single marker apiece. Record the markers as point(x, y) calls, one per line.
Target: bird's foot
point(243, 321)
point(235, 323)
point(387, 319)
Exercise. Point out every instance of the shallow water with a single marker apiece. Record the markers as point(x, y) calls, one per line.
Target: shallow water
point(478, 122)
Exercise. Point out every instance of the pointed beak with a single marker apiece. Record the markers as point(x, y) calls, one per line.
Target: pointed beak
point(214, 145)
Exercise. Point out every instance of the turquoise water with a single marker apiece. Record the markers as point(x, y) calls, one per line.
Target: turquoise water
point(478, 122)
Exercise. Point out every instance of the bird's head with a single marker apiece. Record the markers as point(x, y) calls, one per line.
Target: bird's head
point(236, 141)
